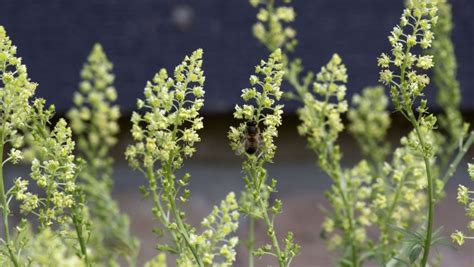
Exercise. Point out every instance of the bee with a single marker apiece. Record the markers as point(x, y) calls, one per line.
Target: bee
point(251, 138)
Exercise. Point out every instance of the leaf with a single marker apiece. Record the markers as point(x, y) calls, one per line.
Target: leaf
point(443, 241)
point(415, 253)
point(416, 236)
point(437, 232)
point(346, 263)
point(402, 261)
point(366, 255)
point(158, 231)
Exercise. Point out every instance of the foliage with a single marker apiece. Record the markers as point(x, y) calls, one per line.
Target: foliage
point(369, 194)
point(68, 217)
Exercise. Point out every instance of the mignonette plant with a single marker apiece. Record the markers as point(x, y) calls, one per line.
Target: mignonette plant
point(165, 135)
point(263, 111)
point(94, 120)
point(381, 210)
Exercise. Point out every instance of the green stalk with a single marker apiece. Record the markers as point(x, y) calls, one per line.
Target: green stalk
point(268, 222)
point(184, 232)
point(452, 167)
point(389, 216)
point(355, 262)
point(429, 228)
point(82, 242)
point(156, 201)
point(251, 241)
point(4, 204)
point(273, 237)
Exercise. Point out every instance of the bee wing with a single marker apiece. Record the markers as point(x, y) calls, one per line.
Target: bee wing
point(259, 145)
point(241, 149)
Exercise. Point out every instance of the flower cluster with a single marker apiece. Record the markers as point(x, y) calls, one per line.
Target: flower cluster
point(260, 119)
point(15, 94)
point(54, 171)
point(94, 119)
point(369, 122)
point(167, 131)
point(271, 29)
point(212, 244)
point(320, 117)
point(414, 29)
point(261, 110)
point(465, 198)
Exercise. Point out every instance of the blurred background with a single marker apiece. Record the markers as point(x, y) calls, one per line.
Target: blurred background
point(142, 36)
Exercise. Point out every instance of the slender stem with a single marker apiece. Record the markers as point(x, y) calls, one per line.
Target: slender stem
point(184, 232)
point(176, 213)
point(3, 199)
point(156, 201)
point(272, 234)
point(268, 222)
point(251, 241)
point(349, 212)
point(452, 167)
point(429, 228)
point(80, 237)
point(388, 218)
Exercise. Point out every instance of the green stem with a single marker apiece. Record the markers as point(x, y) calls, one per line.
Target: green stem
point(429, 228)
point(156, 201)
point(272, 234)
point(80, 238)
point(251, 241)
point(354, 257)
point(3, 199)
point(454, 164)
point(268, 222)
point(183, 231)
point(387, 219)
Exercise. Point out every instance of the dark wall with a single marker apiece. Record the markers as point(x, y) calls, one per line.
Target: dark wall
point(141, 36)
